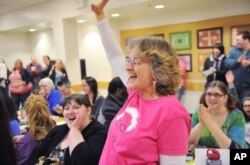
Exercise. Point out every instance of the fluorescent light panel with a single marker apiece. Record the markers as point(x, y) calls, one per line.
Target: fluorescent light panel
point(115, 15)
point(159, 6)
point(32, 30)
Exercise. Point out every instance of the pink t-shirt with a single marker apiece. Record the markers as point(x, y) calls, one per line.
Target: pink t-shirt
point(144, 129)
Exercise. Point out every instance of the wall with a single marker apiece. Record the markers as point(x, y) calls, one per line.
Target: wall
point(91, 49)
point(195, 78)
point(42, 43)
point(15, 46)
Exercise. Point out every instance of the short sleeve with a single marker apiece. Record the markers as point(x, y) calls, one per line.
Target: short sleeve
point(173, 137)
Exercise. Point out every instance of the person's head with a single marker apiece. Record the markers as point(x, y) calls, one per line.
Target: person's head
point(38, 116)
point(74, 105)
point(64, 87)
point(33, 60)
point(89, 85)
point(117, 88)
point(46, 85)
point(216, 96)
point(59, 64)
point(46, 60)
point(218, 50)
point(18, 65)
point(243, 40)
point(152, 64)
point(246, 105)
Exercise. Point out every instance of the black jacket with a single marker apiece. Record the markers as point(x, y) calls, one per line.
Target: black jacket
point(87, 152)
point(219, 65)
point(111, 105)
point(52, 75)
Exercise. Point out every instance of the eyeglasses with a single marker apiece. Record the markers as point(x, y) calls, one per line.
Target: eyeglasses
point(216, 95)
point(133, 61)
point(246, 106)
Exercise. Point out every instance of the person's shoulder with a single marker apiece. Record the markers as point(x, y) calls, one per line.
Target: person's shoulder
point(234, 49)
point(28, 65)
point(27, 138)
point(56, 92)
point(95, 126)
point(172, 106)
point(237, 114)
point(236, 111)
point(100, 97)
point(57, 129)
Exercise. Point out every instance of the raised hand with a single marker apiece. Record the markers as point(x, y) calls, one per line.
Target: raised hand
point(98, 8)
point(82, 120)
point(229, 77)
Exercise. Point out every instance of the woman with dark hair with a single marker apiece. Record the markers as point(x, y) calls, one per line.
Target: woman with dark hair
point(90, 88)
point(7, 155)
point(217, 123)
point(48, 65)
point(11, 110)
point(214, 66)
point(14, 125)
point(80, 140)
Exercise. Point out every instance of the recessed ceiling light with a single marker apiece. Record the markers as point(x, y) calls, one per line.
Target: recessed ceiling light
point(115, 15)
point(159, 6)
point(80, 21)
point(32, 30)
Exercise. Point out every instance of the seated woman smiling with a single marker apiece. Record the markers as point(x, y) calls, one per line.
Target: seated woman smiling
point(217, 123)
point(80, 140)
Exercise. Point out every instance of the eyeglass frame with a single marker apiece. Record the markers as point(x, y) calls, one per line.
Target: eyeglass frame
point(133, 61)
point(215, 95)
point(247, 105)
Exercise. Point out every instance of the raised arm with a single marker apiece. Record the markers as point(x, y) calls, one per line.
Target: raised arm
point(112, 48)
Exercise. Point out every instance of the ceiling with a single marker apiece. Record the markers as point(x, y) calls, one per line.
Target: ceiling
point(137, 11)
point(10, 5)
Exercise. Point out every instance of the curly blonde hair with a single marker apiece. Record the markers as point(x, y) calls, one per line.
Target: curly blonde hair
point(40, 122)
point(164, 62)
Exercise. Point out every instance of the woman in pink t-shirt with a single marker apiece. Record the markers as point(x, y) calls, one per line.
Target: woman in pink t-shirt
point(152, 127)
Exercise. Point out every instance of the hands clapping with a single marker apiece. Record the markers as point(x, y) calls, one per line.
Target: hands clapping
point(204, 115)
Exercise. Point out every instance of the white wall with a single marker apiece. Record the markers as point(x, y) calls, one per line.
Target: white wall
point(15, 46)
point(42, 43)
point(22, 45)
point(191, 99)
point(91, 49)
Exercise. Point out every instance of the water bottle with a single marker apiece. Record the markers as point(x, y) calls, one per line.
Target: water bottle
point(213, 157)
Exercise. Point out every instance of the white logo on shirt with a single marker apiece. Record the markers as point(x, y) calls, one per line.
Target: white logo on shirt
point(134, 116)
